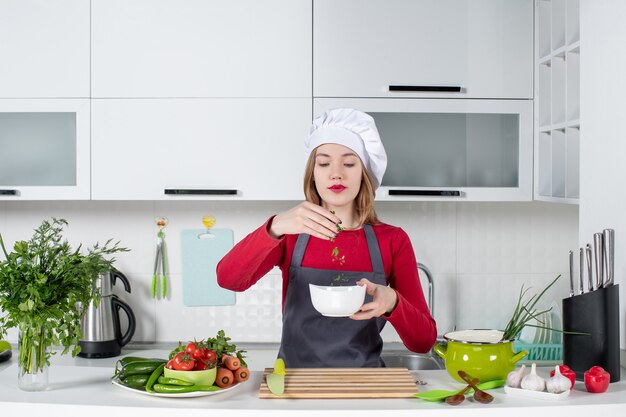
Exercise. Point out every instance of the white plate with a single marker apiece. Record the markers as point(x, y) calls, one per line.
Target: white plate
point(529, 333)
point(541, 395)
point(181, 395)
point(556, 322)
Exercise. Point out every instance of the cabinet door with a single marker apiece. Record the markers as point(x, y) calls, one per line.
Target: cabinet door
point(44, 149)
point(242, 149)
point(208, 48)
point(443, 149)
point(362, 47)
point(44, 48)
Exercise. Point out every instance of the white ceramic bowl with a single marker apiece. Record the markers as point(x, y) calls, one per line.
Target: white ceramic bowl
point(337, 301)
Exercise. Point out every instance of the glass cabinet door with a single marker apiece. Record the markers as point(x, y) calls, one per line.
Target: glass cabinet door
point(44, 149)
point(460, 149)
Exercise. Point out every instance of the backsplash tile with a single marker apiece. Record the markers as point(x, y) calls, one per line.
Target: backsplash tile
point(477, 252)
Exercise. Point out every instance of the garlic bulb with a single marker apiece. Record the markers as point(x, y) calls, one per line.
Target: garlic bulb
point(533, 381)
point(514, 378)
point(558, 383)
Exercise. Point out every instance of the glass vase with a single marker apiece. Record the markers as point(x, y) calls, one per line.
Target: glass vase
point(32, 365)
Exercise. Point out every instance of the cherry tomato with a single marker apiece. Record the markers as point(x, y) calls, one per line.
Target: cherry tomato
point(191, 348)
point(200, 366)
point(566, 372)
point(597, 379)
point(170, 364)
point(209, 356)
point(183, 362)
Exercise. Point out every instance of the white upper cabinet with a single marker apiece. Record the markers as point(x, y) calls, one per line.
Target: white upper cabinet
point(44, 149)
point(181, 149)
point(451, 149)
point(208, 48)
point(44, 48)
point(423, 48)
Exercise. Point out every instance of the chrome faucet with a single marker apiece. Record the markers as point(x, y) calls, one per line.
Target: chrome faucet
point(431, 308)
point(431, 288)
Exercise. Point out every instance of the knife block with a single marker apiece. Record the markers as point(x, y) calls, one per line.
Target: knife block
point(595, 313)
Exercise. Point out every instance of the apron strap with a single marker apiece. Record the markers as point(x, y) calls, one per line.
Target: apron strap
point(374, 248)
point(372, 245)
point(298, 250)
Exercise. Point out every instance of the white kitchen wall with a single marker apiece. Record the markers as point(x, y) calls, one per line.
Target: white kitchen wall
point(480, 254)
point(602, 148)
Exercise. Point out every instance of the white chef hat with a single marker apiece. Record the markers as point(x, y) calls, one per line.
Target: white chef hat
point(354, 129)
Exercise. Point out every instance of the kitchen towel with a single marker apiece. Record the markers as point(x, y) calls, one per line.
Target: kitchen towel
point(199, 259)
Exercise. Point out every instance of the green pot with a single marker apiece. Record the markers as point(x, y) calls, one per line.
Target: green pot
point(480, 353)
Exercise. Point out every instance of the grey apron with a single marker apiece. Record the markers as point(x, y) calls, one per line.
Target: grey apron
point(312, 340)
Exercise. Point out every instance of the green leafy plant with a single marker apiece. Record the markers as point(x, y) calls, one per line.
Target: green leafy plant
point(525, 311)
point(41, 282)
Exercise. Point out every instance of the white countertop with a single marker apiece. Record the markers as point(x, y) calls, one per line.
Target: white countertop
point(82, 387)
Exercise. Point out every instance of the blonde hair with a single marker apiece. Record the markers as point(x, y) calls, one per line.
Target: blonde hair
point(364, 200)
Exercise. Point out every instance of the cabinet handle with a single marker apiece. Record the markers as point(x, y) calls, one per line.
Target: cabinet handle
point(213, 191)
point(9, 192)
point(438, 193)
point(428, 88)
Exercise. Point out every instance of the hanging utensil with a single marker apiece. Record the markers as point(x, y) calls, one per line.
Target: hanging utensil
point(609, 255)
point(589, 267)
point(159, 277)
point(208, 222)
point(598, 245)
point(571, 273)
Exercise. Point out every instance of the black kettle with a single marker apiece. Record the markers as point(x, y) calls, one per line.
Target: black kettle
point(100, 325)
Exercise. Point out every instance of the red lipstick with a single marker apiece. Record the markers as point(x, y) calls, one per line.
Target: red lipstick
point(337, 188)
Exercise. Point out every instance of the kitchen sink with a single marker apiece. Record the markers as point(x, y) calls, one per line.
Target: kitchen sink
point(412, 361)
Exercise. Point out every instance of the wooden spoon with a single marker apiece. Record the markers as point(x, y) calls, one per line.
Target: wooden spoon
point(479, 395)
point(459, 397)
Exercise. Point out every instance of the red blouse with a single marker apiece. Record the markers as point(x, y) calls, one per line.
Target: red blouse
point(255, 255)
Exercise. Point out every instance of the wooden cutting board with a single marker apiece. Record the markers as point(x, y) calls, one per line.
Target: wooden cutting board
point(344, 383)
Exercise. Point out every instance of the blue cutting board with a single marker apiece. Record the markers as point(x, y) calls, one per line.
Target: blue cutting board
point(199, 259)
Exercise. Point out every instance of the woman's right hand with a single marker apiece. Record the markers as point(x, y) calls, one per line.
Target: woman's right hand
point(308, 218)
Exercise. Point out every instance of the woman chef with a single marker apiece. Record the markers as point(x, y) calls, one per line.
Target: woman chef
point(336, 233)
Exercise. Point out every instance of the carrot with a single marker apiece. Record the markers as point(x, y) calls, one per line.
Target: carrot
point(241, 374)
point(231, 362)
point(224, 377)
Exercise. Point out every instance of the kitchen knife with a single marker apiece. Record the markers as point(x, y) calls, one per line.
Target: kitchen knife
point(598, 246)
point(581, 273)
point(589, 267)
point(571, 273)
point(609, 255)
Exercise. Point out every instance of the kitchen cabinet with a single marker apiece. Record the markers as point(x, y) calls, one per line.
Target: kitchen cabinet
point(209, 48)
point(557, 112)
point(425, 48)
point(44, 49)
point(173, 149)
point(44, 149)
point(447, 149)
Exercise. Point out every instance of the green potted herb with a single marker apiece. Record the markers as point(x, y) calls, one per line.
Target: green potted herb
point(41, 282)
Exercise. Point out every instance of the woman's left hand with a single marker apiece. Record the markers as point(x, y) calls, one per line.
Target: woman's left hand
point(383, 302)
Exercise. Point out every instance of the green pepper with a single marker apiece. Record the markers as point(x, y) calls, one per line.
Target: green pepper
point(179, 389)
point(139, 368)
point(122, 363)
point(154, 376)
point(173, 381)
point(135, 381)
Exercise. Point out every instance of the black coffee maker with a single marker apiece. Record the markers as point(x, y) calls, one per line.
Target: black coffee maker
point(101, 327)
